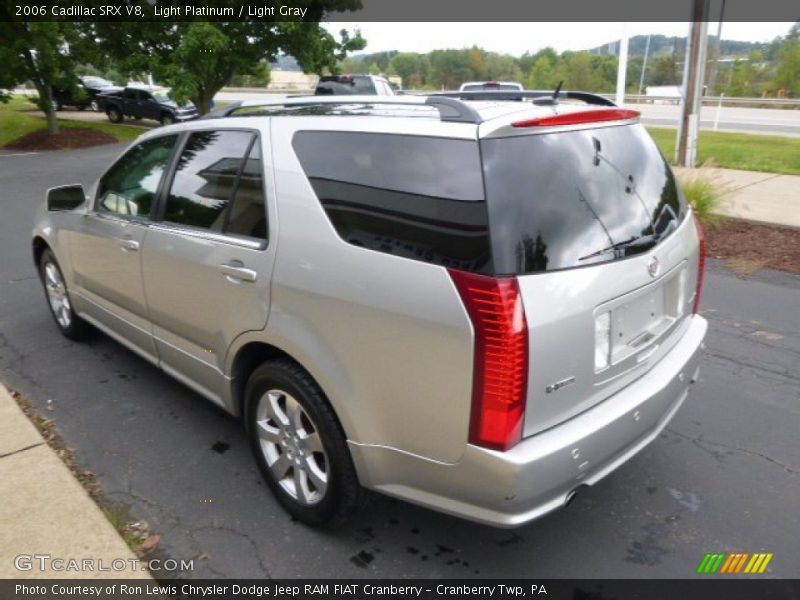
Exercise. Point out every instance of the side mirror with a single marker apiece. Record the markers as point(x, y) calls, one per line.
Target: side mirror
point(65, 197)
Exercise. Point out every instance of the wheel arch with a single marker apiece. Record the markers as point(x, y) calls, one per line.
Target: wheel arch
point(39, 245)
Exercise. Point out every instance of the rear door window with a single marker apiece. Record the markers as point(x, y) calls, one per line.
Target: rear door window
point(205, 178)
point(563, 200)
point(417, 197)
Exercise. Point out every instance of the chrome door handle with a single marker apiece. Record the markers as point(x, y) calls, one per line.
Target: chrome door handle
point(236, 274)
point(131, 245)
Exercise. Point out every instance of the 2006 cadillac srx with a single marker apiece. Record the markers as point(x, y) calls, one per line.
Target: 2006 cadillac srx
point(475, 304)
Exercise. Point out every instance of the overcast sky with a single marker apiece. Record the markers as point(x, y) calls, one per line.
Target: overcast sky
point(517, 38)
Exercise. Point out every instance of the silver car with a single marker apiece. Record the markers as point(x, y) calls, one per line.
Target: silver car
point(476, 306)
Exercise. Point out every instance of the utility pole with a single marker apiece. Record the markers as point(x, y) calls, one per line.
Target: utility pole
point(712, 73)
point(644, 64)
point(623, 66)
point(694, 73)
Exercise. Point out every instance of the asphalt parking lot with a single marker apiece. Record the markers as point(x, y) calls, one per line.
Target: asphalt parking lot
point(724, 476)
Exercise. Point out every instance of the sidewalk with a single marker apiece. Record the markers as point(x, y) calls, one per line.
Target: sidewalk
point(45, 511)
point(765, 197)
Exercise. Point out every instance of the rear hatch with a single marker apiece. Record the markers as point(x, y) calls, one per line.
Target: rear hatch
point(594, 227)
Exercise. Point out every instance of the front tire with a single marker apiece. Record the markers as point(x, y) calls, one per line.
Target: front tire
point(299, 445)
point(115, 115)
point(55, 287)
point(167, 119)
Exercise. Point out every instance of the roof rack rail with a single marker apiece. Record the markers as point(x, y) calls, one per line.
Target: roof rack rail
point(548, 96)
point(450, 109)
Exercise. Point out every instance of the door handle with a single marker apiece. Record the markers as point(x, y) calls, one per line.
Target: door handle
point(130, 245)
point(236, 274)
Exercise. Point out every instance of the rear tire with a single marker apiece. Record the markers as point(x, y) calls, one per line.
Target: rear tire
point(114, 115)
point(55, 288)
point(299, 445)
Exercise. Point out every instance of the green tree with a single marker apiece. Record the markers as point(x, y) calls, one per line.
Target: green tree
point(44, 53)
point(196, 59)
point(412, 68)
point(787, 69)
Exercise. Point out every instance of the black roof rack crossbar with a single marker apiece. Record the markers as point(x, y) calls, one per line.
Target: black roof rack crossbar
point(450, 109)
point(586, 97)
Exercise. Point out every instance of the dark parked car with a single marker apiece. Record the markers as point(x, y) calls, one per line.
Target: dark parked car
point(148, 103)
point(84, 95)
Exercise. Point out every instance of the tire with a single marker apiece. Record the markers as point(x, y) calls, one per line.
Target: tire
point(81, 107)
point(299, 445)
point(114, 114)
point(166, 119)
point(94, 106)
point(138, 118)
point(55, 288)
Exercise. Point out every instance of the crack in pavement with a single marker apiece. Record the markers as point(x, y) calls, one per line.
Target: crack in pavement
point(699, 441)
point(743, 363)
point(21, 450)
point(252, 542)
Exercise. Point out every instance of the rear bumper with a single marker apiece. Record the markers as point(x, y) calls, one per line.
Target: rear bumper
point(538, 475)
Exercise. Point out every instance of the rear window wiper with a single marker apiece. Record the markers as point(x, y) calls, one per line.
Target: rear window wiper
point(634, 242)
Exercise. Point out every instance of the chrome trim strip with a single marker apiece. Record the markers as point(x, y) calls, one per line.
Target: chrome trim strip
point(210, 236)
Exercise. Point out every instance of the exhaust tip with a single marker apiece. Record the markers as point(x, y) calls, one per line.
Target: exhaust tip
point(570, 497)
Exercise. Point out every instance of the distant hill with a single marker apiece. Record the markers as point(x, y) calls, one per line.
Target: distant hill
point(662, 44)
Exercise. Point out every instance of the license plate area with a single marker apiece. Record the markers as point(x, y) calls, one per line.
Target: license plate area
point(639, 322)
point(640, 319)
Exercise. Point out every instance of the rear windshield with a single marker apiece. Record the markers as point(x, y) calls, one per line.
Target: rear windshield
point(562, 200)
point(358, 85)
point(477, 87)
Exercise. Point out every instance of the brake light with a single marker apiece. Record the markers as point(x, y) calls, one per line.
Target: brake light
point(577, 118)
point(500, 372)
point(701, 264)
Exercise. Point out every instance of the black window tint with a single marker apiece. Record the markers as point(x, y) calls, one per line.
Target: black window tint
point(204, 178)
point(248, 212)
point(131, 94)
point(412, 196)
point(130, 186)
point(562, 200)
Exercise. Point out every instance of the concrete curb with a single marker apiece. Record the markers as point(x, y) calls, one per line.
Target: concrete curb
point(46, 514)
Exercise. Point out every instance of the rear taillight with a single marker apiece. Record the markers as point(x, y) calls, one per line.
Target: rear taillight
point(701, 264)
point(500, 372)
point(578, 118)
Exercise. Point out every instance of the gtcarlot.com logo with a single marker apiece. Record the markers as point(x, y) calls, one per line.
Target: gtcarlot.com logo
point(734, 562)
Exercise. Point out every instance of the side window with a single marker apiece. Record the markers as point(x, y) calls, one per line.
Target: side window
point(130, 94)
point(412, 196)
point(364, 85)
point(129, 187)
point(205, 178)
point(248, 212)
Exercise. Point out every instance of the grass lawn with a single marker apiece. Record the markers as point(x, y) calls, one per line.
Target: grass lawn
point(747, 152)
point(20, 117)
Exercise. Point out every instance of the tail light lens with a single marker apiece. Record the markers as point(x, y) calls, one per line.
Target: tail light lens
point(500, 373)
point(701, 265)
point(580, 117)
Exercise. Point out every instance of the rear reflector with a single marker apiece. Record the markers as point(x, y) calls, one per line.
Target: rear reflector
point(500, 372)
point(701, 265)
point(577, 118)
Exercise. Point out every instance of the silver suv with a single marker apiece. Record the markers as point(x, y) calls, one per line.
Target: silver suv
point(478, 307)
